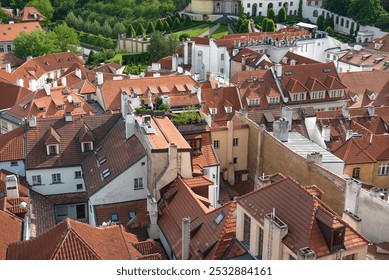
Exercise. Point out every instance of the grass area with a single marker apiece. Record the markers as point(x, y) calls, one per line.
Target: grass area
point(117, 58)
point(197, 31)
point(220, 32)
point(342, 37)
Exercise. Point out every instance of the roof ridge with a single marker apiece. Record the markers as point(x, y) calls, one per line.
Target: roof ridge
point(262, 188)
point(124, 240)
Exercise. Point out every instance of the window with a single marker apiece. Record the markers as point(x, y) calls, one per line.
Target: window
point(291, 3)
point(356, 172)
point(220, 217)
point(52, 149)
point(77, 174)
point(235, 142)
point(235, 160)
point(195, 144)
point(216, 144)
point(302, 96)
point(383, 169)
point(87, 146)
point(79, 186)
point(349, 257)
point(279, 4)
point(254, 102)
point(260, 5)
point(1, 49)
point(36, 180)
point(222, 57)
point(9, 48)
point(81, 211)
point(131, 214)
point(222, 70)
point(56, 178)
point(14, 163)
point(213, 111)
point(273, 100)
point(260, 243)
point(115, 217)
point(138, 183)
point(246, 230)
point(4, 125)
point(143, 163)
point(228, 109)
point(248, 5)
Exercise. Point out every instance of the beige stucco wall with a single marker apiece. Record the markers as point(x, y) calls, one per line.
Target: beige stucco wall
point(201, 6)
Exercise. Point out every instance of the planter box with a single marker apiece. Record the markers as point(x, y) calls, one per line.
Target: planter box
point(191, 128)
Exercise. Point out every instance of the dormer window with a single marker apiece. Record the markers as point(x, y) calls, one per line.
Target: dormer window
point(59, 107)
point(273, 100)
point(52, 149)
point(372, 96)
point(254, 102)
point(86, 146)
point(213, 111)
point(228, 109)
point(77, 104)
point(41, 109)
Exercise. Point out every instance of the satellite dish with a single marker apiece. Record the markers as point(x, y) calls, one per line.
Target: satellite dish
point(23, 205)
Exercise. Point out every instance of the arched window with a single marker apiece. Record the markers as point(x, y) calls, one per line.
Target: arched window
point(356, 173)
point(315, 13)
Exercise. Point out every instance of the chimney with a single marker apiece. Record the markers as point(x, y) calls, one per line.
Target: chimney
point(352, 195)
point(186, 57)
point(174, 62)
point(20, 82)
point(78, 73)
point(306, 253)
point(326, 133)
point(279, 71)
point(32, 121)
point(208, 119)
point(346, 112)
point(263, 181)
point(130, 125)
point(47, 89)
point(274, 231)
point(370, 111)
point(63, 81)
point(99, 78)
point(55, 84)
point(349, 134)
point(244, 58)
point(68, 117)
point(213, 195)
point(8, 68)
point(185, 239)
point(29, 57)
point(166, 100)
point(124, 104)
point(11, 185)
point(280, 130)
point(32, 85)
point(353, 220)
point(287, 113)
point(315, 157)
point(376, 192)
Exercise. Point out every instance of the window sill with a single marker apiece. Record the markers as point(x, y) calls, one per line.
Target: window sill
point(57, 183)
point(138, 189)
point(37, 185)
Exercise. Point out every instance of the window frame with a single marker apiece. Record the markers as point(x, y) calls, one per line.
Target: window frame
point(138, 183)
point(39, 181)
point(56, 178)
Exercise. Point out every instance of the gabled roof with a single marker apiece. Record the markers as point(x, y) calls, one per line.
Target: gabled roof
point(30, 14)
point(11, 58)
point(298, 59)
point(85, 134)
point(72, 240)
point(11, 94)
point(11, 231)
point(207, 157)
point(52, 137)
point(111, 67)
point(7, 77)
point(84, 87)
point(119, 154)
point(209, 240)
point(383, 42)
point(12, 145)
point(315, 85)
point(70, 147)
point(300, 211)
point(9, 32)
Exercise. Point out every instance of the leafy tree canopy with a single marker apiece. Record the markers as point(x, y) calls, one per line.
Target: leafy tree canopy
point(36, 43)
point(67, 38)
point(365, 12)
point(161, 46)
point(43, 6)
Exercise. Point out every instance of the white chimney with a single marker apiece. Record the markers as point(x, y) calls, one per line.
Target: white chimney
point(280, 130)
point(346, 112)
point(287, 113)
point(263, 180)
point(349, 134)
point(20, 82)
point(166, 100)
point(315, 157)
point(370, 110)
point(306, 253)
point(11, 185)
point(130, 125)
point(63, 81)
point(185, 239)
point(78, 73)
point(47, 89)
point(326, 133)
point(156, 75)
point(100, 78)
point(29, 57)
point(8, 68)
point(70, 99)
point(32, 121)
point(213, 195)
point(155, 66)
point(55, 84)
point(124, 104)
point(174, 62)
point(279, 70)
point(68, 117)
point(33, 85)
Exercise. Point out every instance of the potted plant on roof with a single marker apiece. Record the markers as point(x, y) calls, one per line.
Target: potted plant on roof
point(190, 120)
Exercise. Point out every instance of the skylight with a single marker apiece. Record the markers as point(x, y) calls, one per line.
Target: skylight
point(220, 217)
point(288, 73)
point(326, 70)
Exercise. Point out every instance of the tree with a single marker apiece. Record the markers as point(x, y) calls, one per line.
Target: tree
point(264, 24)
point(161, 46)
point(131, 31)
point(4, 18)
point(43, 6)
point(300, 9)
point(320, 22)
point(183, 37)
point(270, 26)
point(106, 30)
point(166, 27)
point(188, 20)
point(150, 28)
point(282, 15)
point(61, 8)
point(271, 14)
point(118, 28)
point(140, 31)
point(35, 43)
point(337, 6)
point(329, 21)
point(159, 25)
point(365, 12)
point(68, 38)
point(71, 19)
point(238, 24)
point(385, 5)
point(330, 31)
point(243, 27)
point(169, 21)
point(96, 28)
point(241, 10)
point(91, 58)
point(176, 24)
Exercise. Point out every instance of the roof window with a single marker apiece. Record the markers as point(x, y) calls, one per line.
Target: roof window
point(220, 218)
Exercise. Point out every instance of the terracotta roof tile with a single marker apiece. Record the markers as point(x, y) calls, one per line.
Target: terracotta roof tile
point(7, 77)
point(297, 59)
point(30, 14)
point(170, 133)
point(207, 157)
point(111, 67)
point(10, 31)
point(43, 210)
point(11, 231)
point(11, 58)
point(12, 145)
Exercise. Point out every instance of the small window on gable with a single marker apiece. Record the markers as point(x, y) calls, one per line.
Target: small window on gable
point(41, 109)
point(53, 149)
point(86, 146)
point(228, 109)
point(131, 214)
point(213, 111)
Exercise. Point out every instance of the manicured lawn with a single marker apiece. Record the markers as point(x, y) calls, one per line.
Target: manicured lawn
point(196, 31)
point(220, 32)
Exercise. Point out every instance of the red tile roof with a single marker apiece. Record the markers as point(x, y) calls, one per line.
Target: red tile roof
point(70, 146)
point(383, 42)
point(30, 14)
point(296, 59)
point(11, 94)
point(119, 153)
point(11, 58)
point(9, 32)
point(72, 240)
point(43, 211)
point(207, 157)
point(208, 239)
point(7, 77)
point(11, 231)
point(111, 67)
point(12, 145)
point(300, 211)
